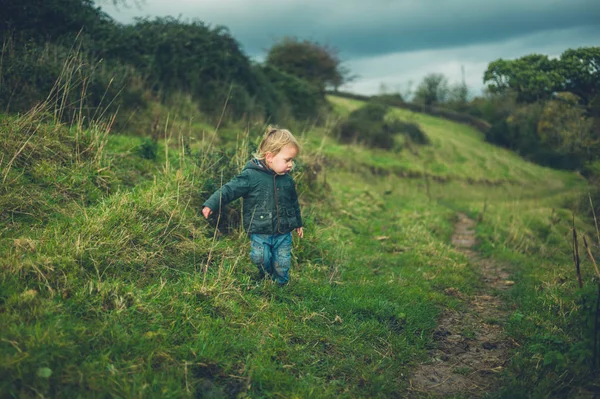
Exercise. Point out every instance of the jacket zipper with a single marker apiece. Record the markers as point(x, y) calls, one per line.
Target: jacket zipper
point(276, 201)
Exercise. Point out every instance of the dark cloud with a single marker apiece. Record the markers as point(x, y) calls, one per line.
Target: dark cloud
point(360, 28)
point(399, 71)
point(396, 41)
point(436, 33)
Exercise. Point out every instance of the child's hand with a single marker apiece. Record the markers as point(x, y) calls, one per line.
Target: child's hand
point(300, 232)
point(206, 211)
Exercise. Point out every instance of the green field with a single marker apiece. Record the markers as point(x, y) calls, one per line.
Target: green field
point(113, 285)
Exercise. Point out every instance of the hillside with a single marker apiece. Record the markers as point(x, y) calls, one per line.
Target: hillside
point(113, 285)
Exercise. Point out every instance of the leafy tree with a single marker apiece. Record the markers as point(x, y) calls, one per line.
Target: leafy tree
point(50, 20)
point(518, 130)
point(564, 126)
point(301, 97)
point(190, 57)
point(493, 107)
point(534, 77)
point(318, 64)
point(580, 70)
point(432, 90)
point(458, 97)
point(179, 55)
point(562, 97)
point(555, 133)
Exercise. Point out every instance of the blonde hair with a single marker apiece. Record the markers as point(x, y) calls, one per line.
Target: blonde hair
point(273, 141)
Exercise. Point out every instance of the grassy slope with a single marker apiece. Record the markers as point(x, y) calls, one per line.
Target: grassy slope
point(112, 285)
point(526, 212)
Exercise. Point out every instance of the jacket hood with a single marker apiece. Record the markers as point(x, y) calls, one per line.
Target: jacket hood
point(257, 165)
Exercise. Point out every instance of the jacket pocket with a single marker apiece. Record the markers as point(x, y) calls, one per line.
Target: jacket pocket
point(261, 222)
point(292, 220)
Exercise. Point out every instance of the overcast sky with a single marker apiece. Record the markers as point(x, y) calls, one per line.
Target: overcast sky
point(395, 43)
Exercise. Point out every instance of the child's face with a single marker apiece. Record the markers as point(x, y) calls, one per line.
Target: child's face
point(283, 161)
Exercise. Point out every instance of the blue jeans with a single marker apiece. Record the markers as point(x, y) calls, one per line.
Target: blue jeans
point(272, 254)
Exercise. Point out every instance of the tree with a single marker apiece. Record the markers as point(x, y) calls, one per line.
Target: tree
point(318, 64)
point(190, 57)
point(50, 20)
point(580, 71)
point(301, 97)
point(432, 90)
point(534, 77)
point(458, 97)
point(564, 126)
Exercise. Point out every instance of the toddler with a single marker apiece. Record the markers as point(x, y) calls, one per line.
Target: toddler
point(271, 211)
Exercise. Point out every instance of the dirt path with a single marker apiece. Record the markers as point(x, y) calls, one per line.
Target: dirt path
point(471, 348)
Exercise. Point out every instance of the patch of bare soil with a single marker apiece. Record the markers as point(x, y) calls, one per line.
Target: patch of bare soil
point(471, 347)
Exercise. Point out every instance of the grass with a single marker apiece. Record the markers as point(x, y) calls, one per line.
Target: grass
point(457, 153)
point(113, 285)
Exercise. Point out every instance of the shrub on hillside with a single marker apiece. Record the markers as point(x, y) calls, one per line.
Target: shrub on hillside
point(554, 133)
point(412, 132)
point(51, 20)
point(69, 80)
point(125, 65)
point(565, 127)
point(303, 99)
point(368, 125)
point(273, 101)
point(195, 58)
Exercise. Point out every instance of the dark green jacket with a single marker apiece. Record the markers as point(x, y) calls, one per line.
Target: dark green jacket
point(270, 200)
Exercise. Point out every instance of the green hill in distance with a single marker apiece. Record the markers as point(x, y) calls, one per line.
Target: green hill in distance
point(112, 284)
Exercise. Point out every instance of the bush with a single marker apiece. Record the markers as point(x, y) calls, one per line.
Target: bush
point(411, 131)
point(148, 149)
point(369, 126)
point(71, 81)
point(303, 99)
point(51, 20)
point(197, 59)
point(126, 65)
point(550, 133)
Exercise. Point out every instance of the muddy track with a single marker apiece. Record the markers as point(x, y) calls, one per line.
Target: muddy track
point(471, 349)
